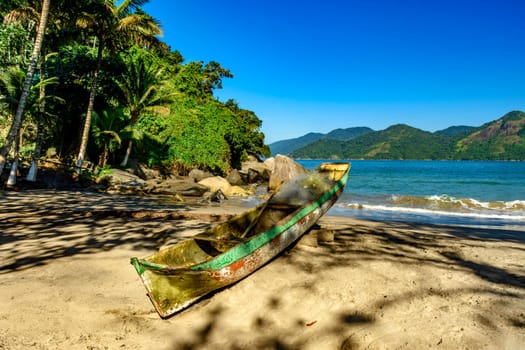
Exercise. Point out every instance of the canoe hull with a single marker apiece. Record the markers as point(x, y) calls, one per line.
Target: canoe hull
point(172, 290)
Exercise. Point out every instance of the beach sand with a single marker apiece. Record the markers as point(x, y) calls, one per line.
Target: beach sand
point(66, 282)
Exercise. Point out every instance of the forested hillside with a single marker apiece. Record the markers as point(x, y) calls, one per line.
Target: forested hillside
point(105, 90)
point(288, 146)
point(395, 142)
point(502, 139)
point(456, 130)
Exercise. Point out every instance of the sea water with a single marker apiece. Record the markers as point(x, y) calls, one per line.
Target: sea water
point(469, 193)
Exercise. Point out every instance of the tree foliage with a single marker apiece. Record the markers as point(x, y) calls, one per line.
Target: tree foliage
point(211, 135)
point(145, 91)
point(16, 44)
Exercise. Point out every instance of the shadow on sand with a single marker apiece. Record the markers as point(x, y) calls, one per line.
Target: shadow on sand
point(36, 231)
point(37, 227)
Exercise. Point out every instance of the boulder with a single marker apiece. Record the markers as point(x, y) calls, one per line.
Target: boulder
point(119, 177)
point(146, 173)
point(238, 191)
point(198, 175)
point(216, 183)
point(174, 186)
point(235, 178)
point(256, 171)
point(285, 168)
point(270, 163)
point(217, 197)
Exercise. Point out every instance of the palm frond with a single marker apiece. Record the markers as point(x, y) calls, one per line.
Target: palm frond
point(46, 82)
point(114, 135)
point(21, 15)
point(129, 6)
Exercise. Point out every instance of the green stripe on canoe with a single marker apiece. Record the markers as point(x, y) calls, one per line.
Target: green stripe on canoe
point(242, 250)
point(137, 265)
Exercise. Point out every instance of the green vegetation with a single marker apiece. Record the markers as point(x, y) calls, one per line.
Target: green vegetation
point(503, 139)
point(288, 146)
point(106, 89)
point(458, 130)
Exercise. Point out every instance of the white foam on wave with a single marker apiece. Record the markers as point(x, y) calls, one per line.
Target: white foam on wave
point(423, 211)
point(470, 203)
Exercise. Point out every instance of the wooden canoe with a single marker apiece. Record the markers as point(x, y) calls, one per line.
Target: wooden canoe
point(179, 275)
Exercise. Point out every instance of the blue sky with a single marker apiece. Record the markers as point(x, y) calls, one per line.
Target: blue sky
point(314, 66)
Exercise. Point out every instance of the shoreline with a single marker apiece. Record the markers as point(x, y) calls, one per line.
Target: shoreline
point(428, 217)
point(67, 282)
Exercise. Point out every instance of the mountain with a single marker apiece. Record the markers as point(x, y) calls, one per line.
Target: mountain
point(502, 139)
point(287, 146)
point(456, 130)
point(347, 134)
point(396, 142)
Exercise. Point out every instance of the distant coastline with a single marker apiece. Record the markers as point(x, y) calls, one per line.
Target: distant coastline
point(500, 140)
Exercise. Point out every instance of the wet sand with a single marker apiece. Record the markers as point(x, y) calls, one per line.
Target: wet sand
point(66, 282)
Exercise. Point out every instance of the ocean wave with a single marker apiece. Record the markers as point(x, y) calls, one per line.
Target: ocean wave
point(440, 206)
point(433, 212)
point(450, 203)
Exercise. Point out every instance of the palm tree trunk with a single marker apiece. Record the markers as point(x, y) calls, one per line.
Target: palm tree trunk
point(103, 160)
point(11, 181)
point(17, 121)
point(128, 152)
point(31, 174)
point(87, 122)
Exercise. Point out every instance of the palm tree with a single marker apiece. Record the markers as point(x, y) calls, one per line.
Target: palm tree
point(11, 87)
point(41, 117)
point(17, 120)
point(144, 90)
point(106, 129)
point(31, 174)
point(115, 24)
point(58, 30)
